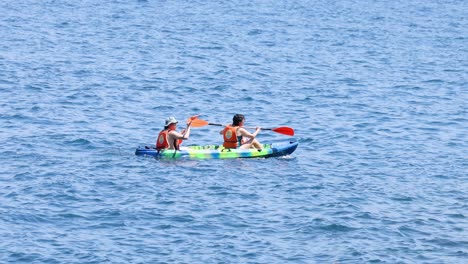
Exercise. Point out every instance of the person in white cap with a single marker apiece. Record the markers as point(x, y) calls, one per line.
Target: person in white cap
point(169, 138)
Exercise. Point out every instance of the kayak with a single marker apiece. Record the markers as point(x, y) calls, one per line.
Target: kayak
point(219, 152)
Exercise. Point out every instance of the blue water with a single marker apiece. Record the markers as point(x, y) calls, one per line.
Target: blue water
point(376, 91)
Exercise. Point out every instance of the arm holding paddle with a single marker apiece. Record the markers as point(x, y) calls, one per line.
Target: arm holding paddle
point(184, 134)
point(252, 142)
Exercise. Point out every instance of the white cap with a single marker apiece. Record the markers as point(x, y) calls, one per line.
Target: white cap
point(171, 120)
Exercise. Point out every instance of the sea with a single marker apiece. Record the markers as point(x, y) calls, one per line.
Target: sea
point(376, 92)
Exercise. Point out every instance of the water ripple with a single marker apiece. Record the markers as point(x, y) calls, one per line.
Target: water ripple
point(376, 97)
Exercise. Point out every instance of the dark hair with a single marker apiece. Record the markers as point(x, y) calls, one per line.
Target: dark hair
point(237, 119)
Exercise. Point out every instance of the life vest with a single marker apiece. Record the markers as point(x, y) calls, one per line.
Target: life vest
point(163, 143)
point(230, 137)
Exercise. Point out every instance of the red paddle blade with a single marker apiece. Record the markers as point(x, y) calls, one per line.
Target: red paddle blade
point(284, 130)
point(198, 122)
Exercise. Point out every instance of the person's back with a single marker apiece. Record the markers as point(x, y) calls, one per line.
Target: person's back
point(162, 141)
point(231, 140)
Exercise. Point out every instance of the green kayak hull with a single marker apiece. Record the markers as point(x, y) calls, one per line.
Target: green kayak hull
point(277, 149)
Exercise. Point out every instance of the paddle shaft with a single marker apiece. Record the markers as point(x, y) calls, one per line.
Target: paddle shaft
point(282, 130)
point(213, 124)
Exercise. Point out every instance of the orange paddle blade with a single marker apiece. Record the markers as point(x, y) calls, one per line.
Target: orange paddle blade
point(199, 123)
point(284, 130)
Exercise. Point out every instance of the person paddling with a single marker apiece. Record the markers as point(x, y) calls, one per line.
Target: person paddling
point(235, 135)
point(169, 138)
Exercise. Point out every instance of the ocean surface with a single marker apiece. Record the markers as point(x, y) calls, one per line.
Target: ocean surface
point(376, 92)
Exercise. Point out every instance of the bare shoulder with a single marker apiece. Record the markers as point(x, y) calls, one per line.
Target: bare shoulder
point(242, 130)
point(174, 133)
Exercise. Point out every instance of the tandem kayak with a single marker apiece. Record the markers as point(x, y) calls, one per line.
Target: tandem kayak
point(219, 152)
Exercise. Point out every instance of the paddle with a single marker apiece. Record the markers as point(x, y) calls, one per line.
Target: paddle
point(282, 130)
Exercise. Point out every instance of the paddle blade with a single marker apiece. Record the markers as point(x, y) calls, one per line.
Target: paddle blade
point(199, 123)
point(284, 130)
